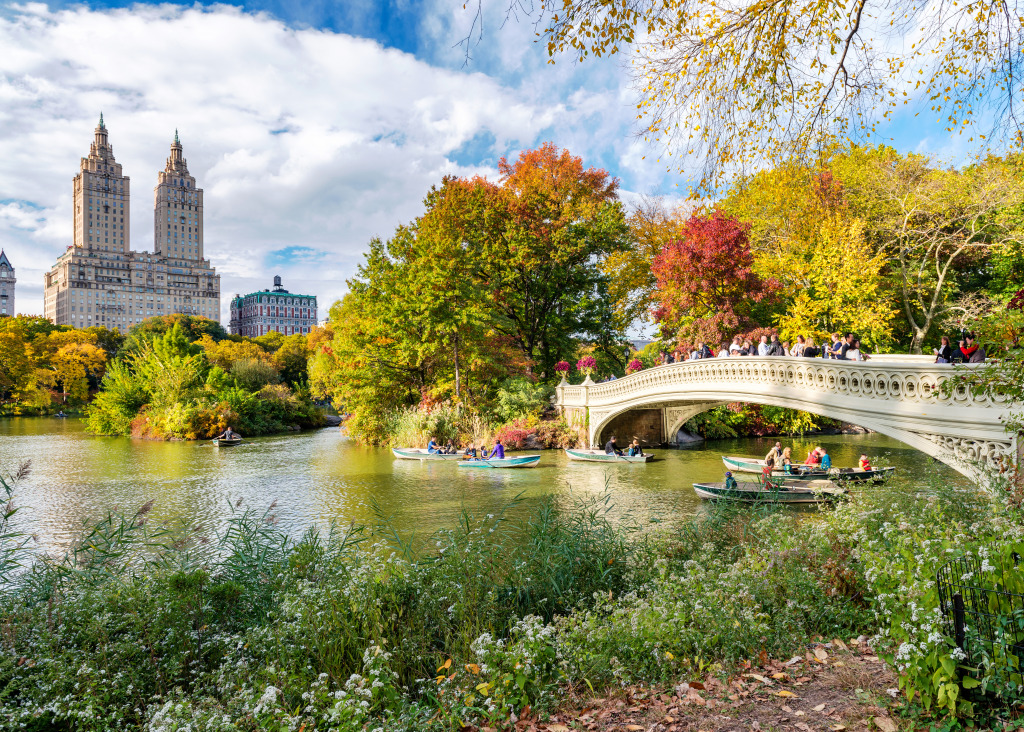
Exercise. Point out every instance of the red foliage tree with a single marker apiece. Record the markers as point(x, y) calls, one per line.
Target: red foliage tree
point(707, 275)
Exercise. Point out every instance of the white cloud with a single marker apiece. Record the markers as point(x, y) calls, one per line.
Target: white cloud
point(300, 137)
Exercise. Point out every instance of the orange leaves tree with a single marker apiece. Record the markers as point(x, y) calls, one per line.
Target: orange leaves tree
point(707, 288)
point(496, 278)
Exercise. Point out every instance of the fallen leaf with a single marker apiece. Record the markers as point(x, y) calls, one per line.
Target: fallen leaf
point(790, 693)
point(697, 685)
point(819, 707)
point(794, 659)
point(885, 724)
point(758, 677)
point(801, 714)
point(786, 709)
point(557, 728)
point(778, 676)
point(803, 726)
point(837, 727)
point(803, 679)
point(840, 645)
point(634, 728)
point(820, 654)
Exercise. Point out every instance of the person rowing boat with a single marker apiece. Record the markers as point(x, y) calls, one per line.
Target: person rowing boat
point(229, 434)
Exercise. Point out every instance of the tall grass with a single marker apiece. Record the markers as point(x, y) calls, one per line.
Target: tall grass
point(141, 627)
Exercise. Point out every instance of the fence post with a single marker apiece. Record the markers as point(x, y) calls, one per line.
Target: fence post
point(958, 620)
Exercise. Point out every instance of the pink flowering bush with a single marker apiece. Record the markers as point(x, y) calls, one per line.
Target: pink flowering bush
point(587, 364)
point(562, 367)
point(633, 366)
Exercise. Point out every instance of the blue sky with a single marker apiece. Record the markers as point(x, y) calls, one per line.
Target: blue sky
point(311, 126)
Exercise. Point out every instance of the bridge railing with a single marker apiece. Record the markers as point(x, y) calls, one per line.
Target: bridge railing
point(896, 379)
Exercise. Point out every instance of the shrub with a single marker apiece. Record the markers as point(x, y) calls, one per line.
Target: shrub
point(519, 398)
point(253, 374)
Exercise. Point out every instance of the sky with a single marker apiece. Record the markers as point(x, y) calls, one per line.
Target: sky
point(311, 126)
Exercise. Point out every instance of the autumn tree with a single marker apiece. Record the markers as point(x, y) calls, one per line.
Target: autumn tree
point(706, 284)
point(929, 222)
point(631, 281)
point(750, 83)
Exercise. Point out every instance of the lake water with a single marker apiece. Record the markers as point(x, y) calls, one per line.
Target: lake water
point(322, 476)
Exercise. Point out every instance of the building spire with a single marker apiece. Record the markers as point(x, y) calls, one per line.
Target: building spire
point(102, 126)
point(176, 141)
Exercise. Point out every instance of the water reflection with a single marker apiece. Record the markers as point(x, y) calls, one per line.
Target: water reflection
point(319, 477)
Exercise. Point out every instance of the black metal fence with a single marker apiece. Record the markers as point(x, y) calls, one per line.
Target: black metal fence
point(984, 621)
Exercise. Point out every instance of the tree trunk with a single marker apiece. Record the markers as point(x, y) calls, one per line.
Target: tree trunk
point(458, 386)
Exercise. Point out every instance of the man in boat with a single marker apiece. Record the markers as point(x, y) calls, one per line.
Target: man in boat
point(826, 461)
point(498, 453)
point(634, 449)
point(730, 482)
point(774, 456)
point(432, 446)
point(470, 452)
point(612, 448)
point(229, 434)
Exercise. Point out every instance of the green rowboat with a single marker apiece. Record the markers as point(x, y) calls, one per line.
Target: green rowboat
point(219, 442)
point(820, 491)
point(600, 456)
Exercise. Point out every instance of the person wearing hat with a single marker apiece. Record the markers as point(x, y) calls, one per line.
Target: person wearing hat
point(730, 482)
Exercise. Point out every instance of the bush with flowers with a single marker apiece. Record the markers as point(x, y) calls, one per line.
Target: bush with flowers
point(562, 367)
point(633, 366)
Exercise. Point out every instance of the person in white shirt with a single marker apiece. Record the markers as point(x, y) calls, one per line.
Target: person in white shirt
point(762, 347)
point(736, 346)
point(724, 352)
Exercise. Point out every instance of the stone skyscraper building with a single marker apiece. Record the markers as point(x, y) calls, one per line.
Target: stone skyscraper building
point(99, 280)
point(7, 282)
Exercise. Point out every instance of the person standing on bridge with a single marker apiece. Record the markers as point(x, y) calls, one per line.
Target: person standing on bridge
point(973, 353)
point(762, 347)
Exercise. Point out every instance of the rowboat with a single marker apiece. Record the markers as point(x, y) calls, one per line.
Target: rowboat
point(420, 453)
point(799, 472)
point(524, 461)
point(600, 456)
point(221, 442)
point(818, 491)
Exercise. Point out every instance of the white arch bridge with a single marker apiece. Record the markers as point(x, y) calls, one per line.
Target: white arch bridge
point(900, 397)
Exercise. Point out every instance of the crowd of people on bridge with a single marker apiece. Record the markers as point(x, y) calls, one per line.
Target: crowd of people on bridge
point(842, 347)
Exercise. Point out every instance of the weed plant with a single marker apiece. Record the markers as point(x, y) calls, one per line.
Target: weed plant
point(141, 627)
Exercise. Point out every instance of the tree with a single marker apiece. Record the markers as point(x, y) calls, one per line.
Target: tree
point(631, 281)
point(839, 288)
point(73, 366)
point(706, 282)
point(761, 82)
point(927, 221)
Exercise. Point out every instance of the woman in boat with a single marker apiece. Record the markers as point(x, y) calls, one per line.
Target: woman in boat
point(634, 449)
point(813, 457)
point(786, 461)
point(470, 452)
point(498, 453)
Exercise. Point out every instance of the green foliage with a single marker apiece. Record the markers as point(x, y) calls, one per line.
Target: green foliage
point(520, 397)
point(254, 374)
point(169, 389)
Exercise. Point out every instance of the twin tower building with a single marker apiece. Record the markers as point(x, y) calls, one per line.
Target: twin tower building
point(99, 280)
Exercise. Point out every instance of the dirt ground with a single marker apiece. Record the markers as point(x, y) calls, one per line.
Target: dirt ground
point(835, 686)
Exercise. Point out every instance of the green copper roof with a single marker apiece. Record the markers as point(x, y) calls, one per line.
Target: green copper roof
point(102, 126)
point(176, 142)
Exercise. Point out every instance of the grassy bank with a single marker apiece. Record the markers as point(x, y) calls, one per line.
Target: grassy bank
point(137, 627)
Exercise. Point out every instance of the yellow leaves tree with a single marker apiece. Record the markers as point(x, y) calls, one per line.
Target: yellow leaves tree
point(839, 287)
point(752, 83)
point(71, 368)
point(225, 353)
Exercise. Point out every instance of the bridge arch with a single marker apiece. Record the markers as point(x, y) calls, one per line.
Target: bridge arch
point(898, 398)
